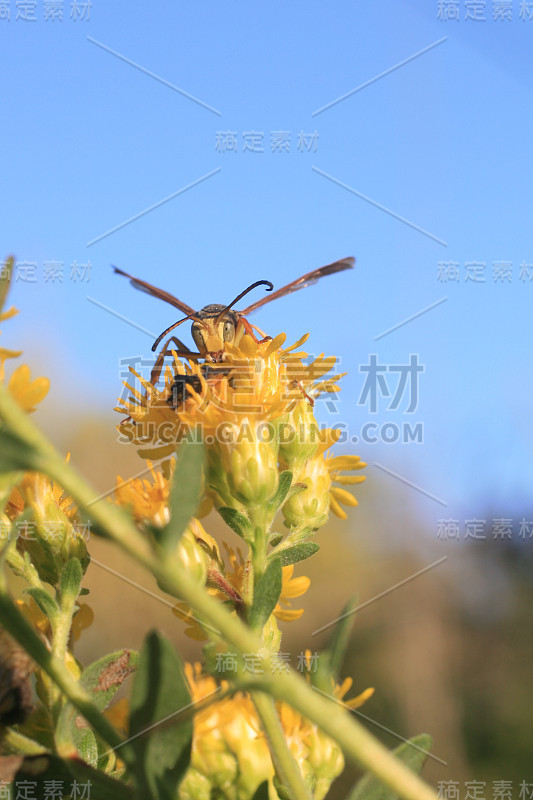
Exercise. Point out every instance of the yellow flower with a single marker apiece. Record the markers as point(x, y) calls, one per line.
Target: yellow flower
point(291, 588)
point(312, 505)
point(52, 535)
point(228, 750)
point(83, 618)
point(147, 499)
point(40, 491)
point(256, 381)
point(26, 392)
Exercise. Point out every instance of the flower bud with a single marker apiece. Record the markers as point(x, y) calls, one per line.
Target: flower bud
point(310, 507)
point(247, 460)
point(325, 759)
point(50, 538)
point(192, 556)
point(298, 437)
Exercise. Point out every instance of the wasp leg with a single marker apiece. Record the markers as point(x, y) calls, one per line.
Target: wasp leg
point(299, 385)
point(249, 328)
point(181, 350)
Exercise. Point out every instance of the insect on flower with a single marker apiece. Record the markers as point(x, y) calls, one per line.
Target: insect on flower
point(215, 325)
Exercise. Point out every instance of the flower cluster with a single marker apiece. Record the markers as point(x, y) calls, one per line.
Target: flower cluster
point(254, 413)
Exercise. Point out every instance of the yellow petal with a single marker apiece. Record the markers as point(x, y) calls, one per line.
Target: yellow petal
point(355, 702)
point(275, 344)
point(345, 462)
point(349, 479)
point(11, 312)
point(296, 587)
point(343, 496)
point(287, 572)
point(288, 614)
point(336, 508)
point(300, 341)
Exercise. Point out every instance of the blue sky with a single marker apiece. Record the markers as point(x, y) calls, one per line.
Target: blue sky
point(440, 145)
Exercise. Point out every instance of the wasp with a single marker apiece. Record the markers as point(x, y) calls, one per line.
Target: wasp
point(215, 325)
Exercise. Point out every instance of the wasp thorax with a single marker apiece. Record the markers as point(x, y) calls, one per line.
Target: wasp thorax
point(213, 329)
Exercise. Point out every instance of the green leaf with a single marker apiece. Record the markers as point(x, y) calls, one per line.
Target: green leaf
point(261, 793)
point(285, 480)
point(274, 539)
point(184, 493)
point(46, 602)
point(291, 555)
point(16, 454)
point(87, 746)
point(41, 770)
point(236, 521)
point(160, 692)
point(102, 679)
point(69, 583)
point(8, 481)
point(266, 594)
point(412, 754)
point(338, 643)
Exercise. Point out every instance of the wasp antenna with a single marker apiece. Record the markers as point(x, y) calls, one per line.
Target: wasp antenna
point(171, 328)
point(268, 284)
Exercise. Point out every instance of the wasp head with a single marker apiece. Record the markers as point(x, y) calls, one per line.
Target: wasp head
point(212, 329)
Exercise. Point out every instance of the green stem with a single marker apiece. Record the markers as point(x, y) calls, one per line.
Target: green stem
point(61, 632)
point(287, 769)
point(358, 744)
point(25, 568)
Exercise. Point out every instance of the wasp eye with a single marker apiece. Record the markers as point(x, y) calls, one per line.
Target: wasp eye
point(229, 331)
point(198, 336)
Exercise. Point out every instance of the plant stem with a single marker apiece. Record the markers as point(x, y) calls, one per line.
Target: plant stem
point(286, 767)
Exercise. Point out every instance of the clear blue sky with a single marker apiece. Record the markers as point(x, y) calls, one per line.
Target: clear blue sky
point(443, 141)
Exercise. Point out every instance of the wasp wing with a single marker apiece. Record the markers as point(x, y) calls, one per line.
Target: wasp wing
point(300, 283)
point(143, 286)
